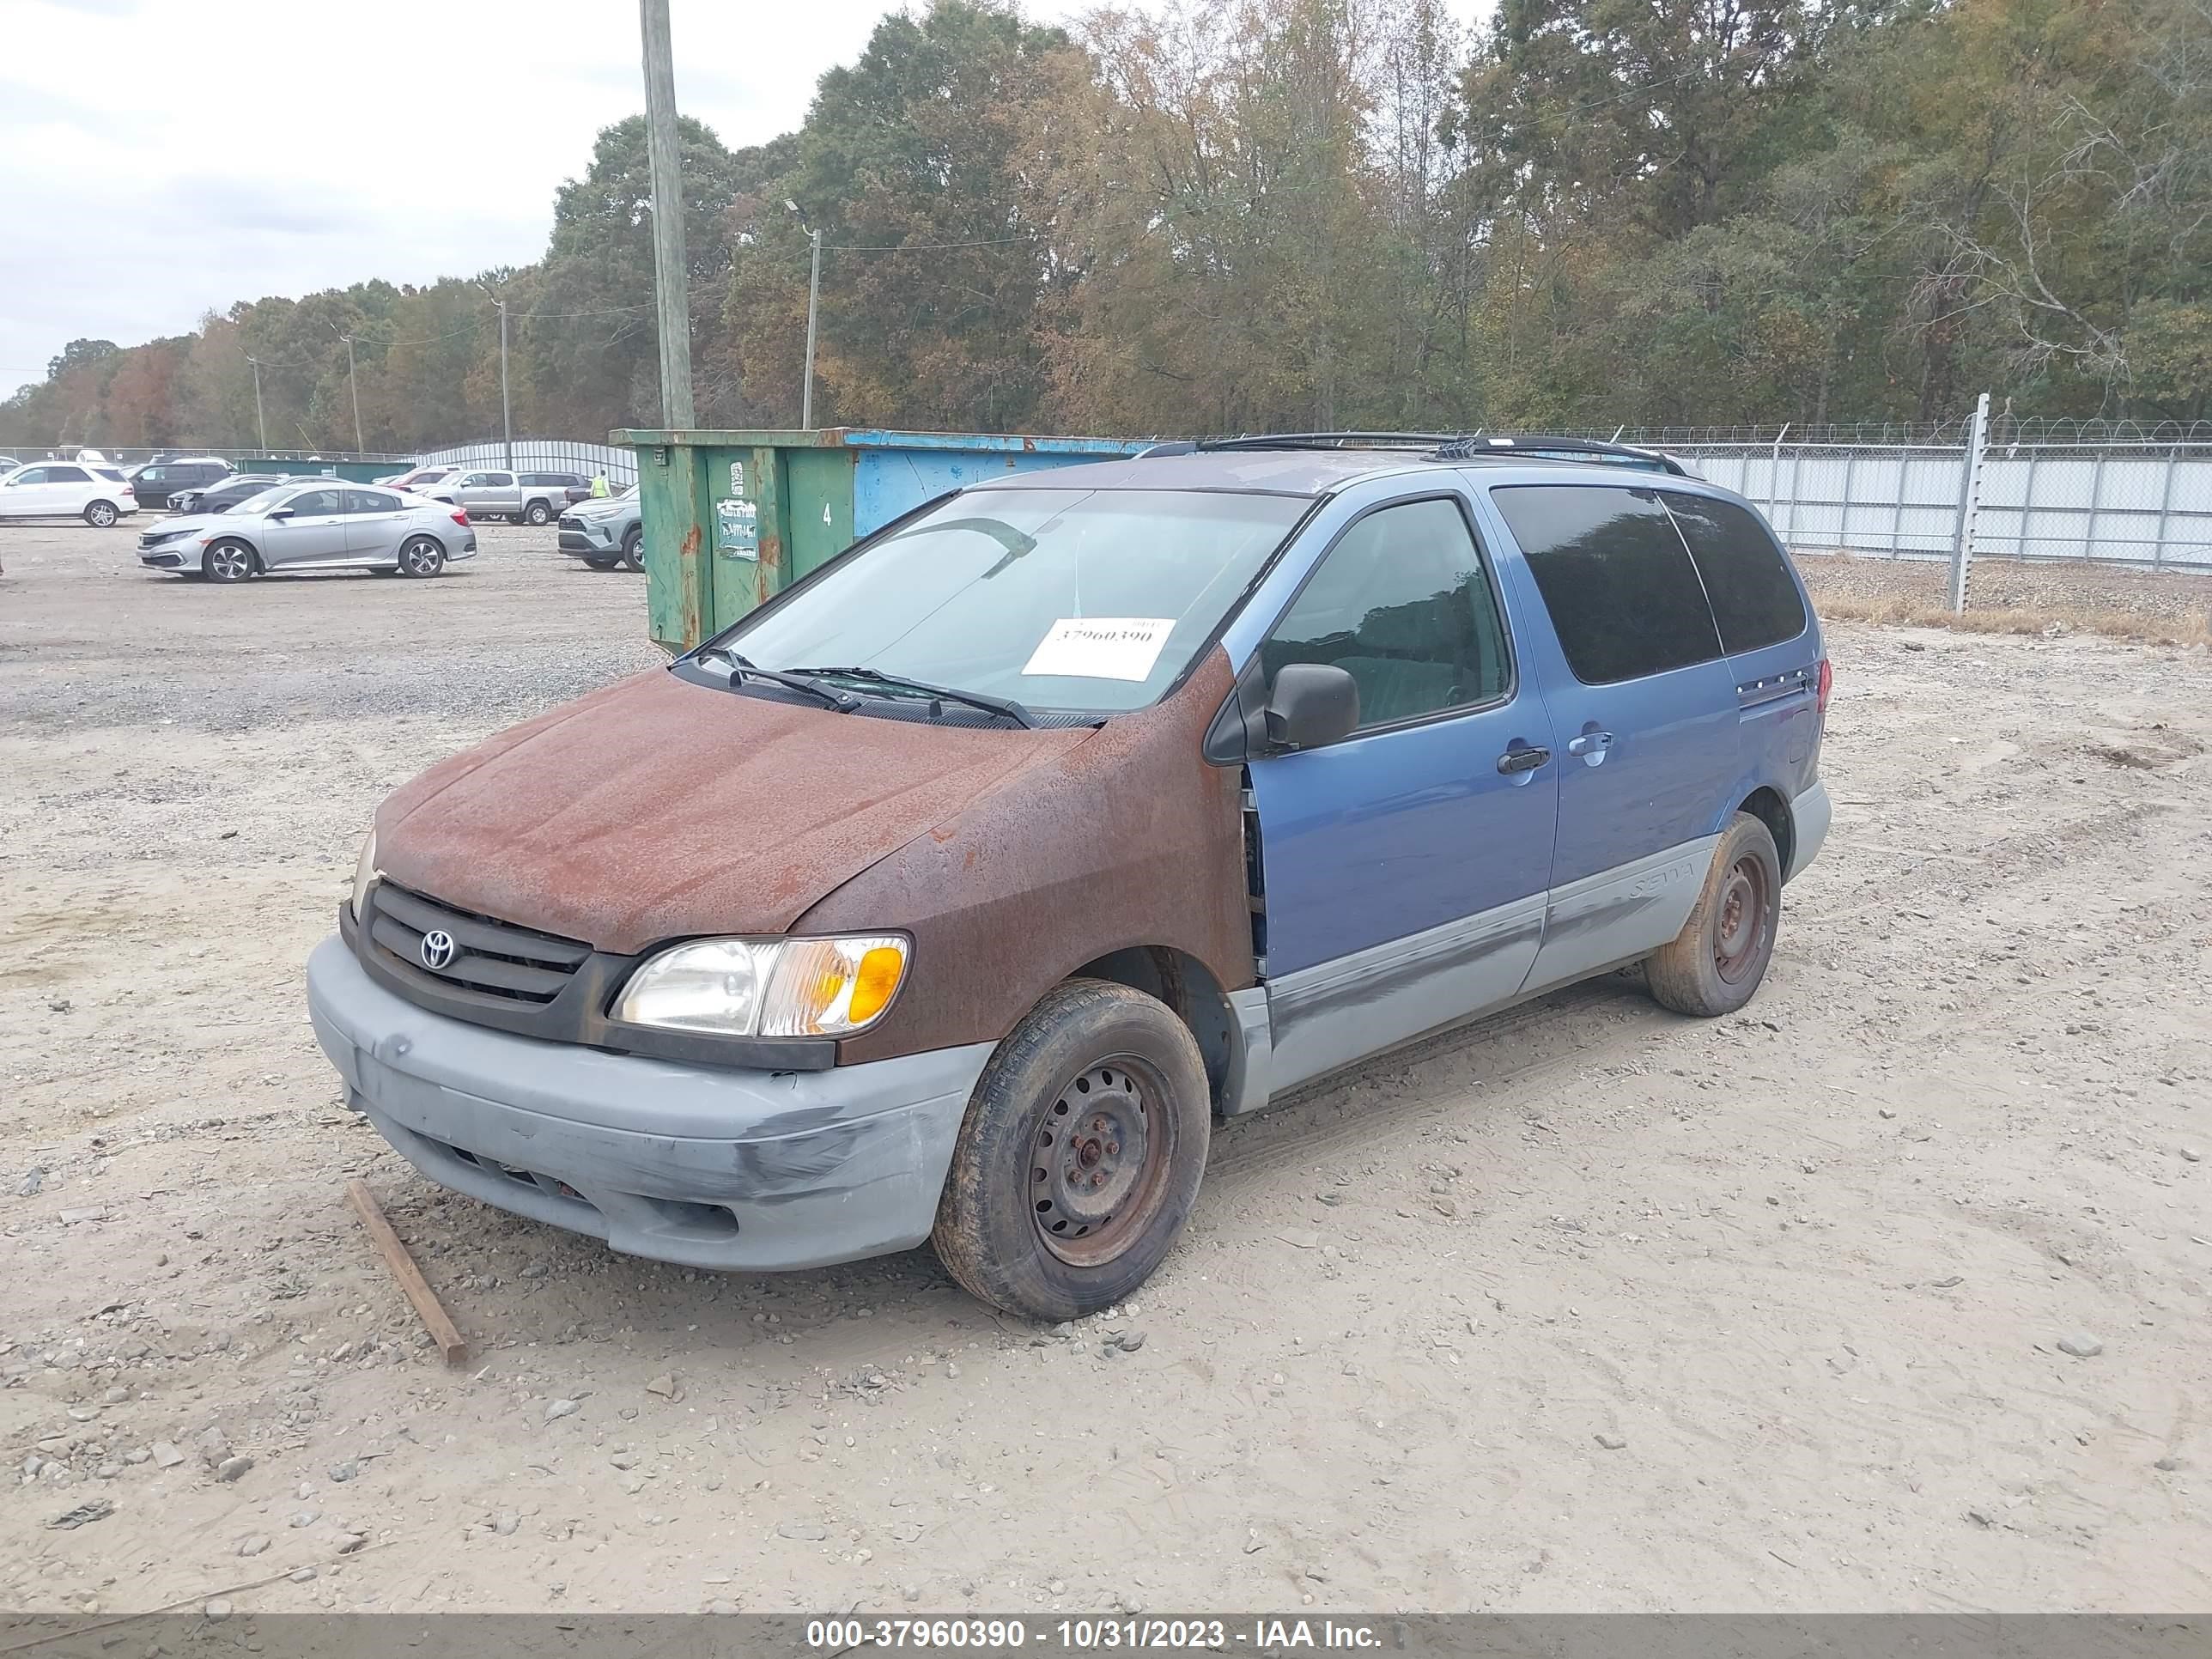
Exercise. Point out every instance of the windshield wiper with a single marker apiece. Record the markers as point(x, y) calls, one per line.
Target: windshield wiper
point(744, 668)
point(1006, 706)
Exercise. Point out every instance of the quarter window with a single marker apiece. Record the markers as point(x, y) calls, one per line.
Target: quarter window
point(1754, 598)
point(1622, 593)
point(370, 500)
point(1403, 604)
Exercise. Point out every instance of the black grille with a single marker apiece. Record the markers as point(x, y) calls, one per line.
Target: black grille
point(490, 957)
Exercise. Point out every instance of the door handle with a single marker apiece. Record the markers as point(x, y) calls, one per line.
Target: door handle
point(1590, 743)
point(1522, 760)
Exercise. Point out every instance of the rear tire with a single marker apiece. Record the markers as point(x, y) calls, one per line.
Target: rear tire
point(420, 556)
point(229, 562)
point(539, 514)
point(100, 514)
point(633, 549)
point(1080, 1155)
point(1715, 964)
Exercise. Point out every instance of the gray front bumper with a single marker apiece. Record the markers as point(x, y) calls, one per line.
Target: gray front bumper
point(687, 1163)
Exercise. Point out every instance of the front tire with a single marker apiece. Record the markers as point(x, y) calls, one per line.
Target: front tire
point(1715, 964)
point(100, 514)
point(539, 514)
point(420, 556)
point(227, 561)
point(633, 550)
point(1080, 1155)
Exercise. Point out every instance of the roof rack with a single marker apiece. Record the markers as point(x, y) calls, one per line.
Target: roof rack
point(1544, 447)
point(1329, 440)
point(1444, 446)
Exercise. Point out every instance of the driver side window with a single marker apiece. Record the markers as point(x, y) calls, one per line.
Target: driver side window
point(1403, 604)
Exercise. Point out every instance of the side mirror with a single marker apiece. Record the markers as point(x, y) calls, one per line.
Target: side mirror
point(1312, 703)
point(278, 513)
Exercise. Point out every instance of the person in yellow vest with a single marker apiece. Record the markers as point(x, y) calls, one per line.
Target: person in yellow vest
point(599, 486)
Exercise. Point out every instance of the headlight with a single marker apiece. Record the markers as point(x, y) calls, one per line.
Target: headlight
point(364, 871)
point(795, 988)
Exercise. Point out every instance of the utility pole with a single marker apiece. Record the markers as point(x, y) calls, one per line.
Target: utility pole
point(813, 306)
point(260, 423)
point(665, 155)
point(506, 406)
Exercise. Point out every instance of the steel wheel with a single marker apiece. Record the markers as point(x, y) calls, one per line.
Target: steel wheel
point(1747, 913)
point(422, 556)
point(227, 561)
point(100, 514)
point(1079, 1156)
point(1101, 1161)
point(1715, 964)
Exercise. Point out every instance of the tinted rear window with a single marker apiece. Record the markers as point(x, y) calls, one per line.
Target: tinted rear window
point(1623, 595)
point(1753, 596)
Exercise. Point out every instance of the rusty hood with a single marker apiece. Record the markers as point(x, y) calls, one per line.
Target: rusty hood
point(656, 808)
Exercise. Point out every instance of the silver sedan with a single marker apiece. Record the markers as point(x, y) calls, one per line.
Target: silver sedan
point(316, 524)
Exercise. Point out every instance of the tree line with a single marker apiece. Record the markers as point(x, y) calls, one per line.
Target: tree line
point(1220, 215)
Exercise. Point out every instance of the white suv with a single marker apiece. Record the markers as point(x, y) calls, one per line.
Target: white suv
point(92, 490)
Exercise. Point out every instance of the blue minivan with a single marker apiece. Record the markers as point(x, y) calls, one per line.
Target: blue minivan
point(951, 893)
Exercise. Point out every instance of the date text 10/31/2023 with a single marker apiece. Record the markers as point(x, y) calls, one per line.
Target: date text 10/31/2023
point(1253, 1635)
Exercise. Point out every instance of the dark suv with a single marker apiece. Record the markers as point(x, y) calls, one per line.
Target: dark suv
point(157, 481)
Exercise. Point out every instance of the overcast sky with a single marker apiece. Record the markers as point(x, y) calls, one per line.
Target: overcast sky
point(161, 157)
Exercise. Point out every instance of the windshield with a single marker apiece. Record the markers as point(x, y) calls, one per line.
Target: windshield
point(1087, 600)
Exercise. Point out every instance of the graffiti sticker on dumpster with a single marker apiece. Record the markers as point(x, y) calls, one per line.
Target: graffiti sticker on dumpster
point(1101, 647)
point(737, 530)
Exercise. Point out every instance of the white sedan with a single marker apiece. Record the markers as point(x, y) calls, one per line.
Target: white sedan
point(95, 492)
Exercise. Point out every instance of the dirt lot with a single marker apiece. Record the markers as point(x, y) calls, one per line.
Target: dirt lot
point(1589, 1308)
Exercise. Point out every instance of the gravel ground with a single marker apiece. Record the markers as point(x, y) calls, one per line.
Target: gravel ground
point(2068, 593)
point(1888, 1293)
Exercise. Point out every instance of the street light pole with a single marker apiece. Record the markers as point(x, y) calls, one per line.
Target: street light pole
point(260, 421)
point(505, 406)
point(665, 157)
point(813, 304)
point(813, 307)
point(353, 386)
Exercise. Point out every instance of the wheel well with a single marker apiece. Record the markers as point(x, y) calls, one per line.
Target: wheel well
point(1187, 985)
point(1769, 809)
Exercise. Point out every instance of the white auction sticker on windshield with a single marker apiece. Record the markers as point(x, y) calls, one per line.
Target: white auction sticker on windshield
point(1102, 648)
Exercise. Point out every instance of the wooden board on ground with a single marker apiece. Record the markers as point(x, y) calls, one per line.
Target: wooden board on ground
point(403, 1269)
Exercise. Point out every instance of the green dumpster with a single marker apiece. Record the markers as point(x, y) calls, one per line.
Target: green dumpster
point(733, 518)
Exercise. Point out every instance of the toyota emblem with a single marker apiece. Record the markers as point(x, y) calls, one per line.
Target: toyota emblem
point(437, 949)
